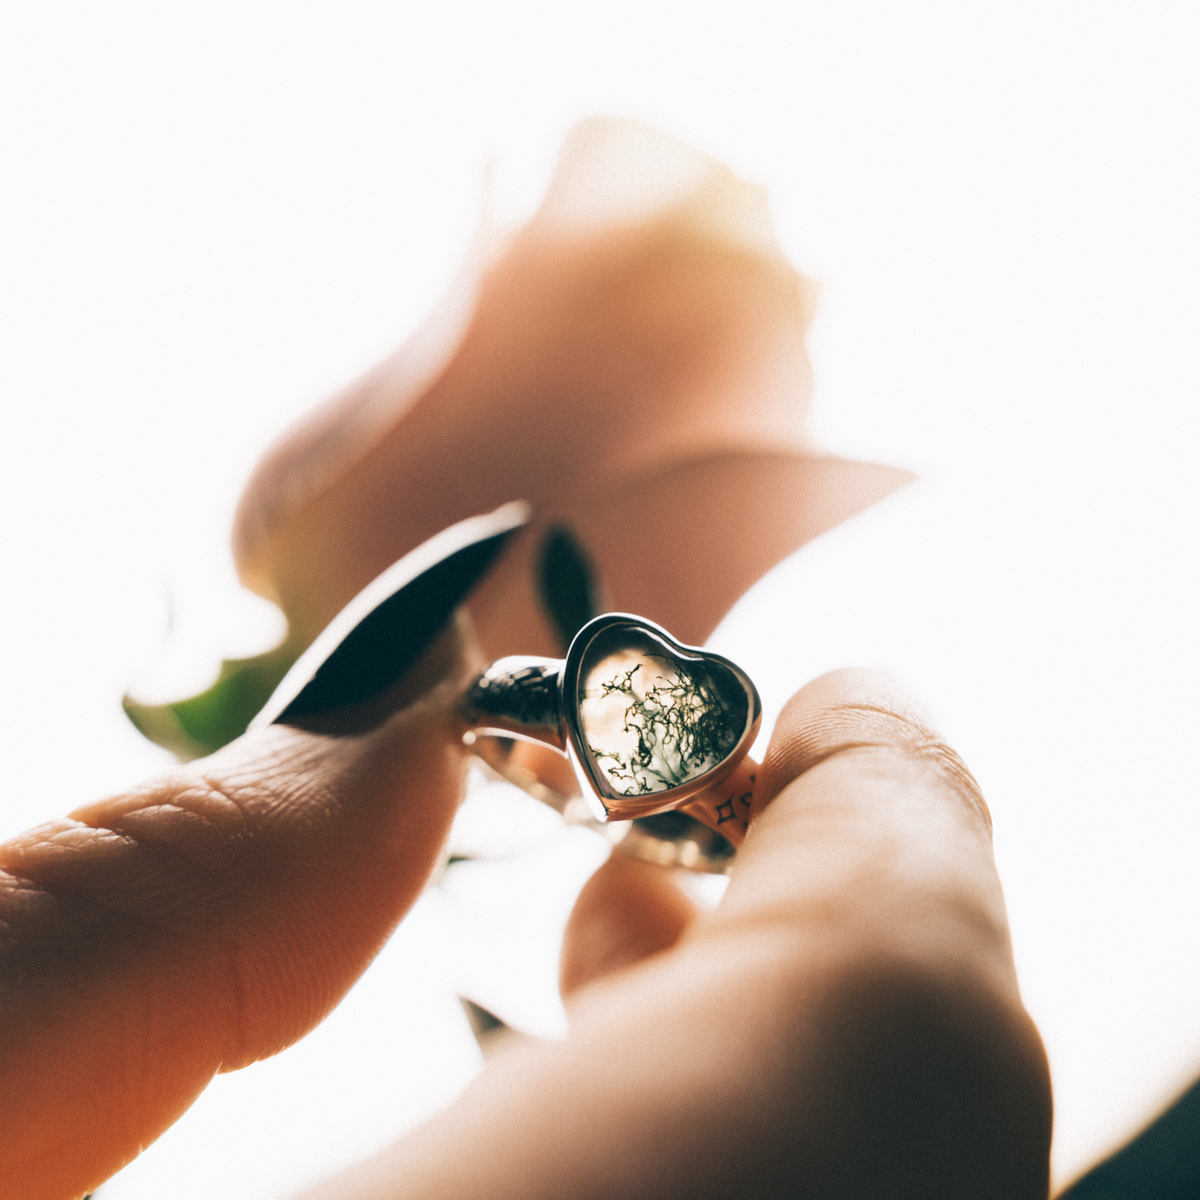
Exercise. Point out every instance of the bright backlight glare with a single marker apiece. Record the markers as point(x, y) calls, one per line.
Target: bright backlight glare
point(216, 214)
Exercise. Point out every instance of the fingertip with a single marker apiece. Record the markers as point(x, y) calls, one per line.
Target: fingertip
point(848, 707)
point(852, 685)
point(627, 911)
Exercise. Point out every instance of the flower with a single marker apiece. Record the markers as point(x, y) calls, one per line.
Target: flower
point(632, 363)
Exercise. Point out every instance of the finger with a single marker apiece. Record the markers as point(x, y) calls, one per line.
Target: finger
point(205, 920)
point(846, 1023)
point(627, 911)
point(850, 710)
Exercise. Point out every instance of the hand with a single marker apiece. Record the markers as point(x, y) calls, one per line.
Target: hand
point(213, 916)
point(208, 919)
point(845, 1024)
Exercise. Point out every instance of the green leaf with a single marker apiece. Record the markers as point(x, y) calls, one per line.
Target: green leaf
point(200, 724)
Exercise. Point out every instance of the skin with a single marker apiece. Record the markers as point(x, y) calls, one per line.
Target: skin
point(846, 1023)
point(208, 919)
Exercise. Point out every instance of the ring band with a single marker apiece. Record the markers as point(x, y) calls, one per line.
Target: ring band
point(675, 839)
point(649, 724)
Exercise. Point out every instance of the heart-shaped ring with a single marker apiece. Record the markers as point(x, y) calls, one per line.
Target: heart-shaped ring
point(647, 722)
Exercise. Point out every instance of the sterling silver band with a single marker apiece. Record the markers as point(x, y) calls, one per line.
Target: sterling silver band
point(519, 696)
point(649, 725)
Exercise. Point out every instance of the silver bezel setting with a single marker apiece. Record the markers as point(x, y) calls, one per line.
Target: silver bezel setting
point(609, 804)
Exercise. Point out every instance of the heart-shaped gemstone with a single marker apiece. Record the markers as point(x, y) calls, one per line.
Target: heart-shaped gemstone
point(652, 722)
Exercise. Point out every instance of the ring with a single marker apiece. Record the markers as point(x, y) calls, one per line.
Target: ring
point(648, 723)
point(652, 727)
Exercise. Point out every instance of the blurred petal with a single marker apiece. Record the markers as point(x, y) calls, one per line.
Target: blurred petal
point(680, 543)
point(644, 318)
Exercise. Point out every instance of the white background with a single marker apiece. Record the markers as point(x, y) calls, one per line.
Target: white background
point(213, 214)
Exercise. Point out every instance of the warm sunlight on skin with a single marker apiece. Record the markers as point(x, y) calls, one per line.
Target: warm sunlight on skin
point(208, 919)
point(845, 1023)
point(215, 215)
